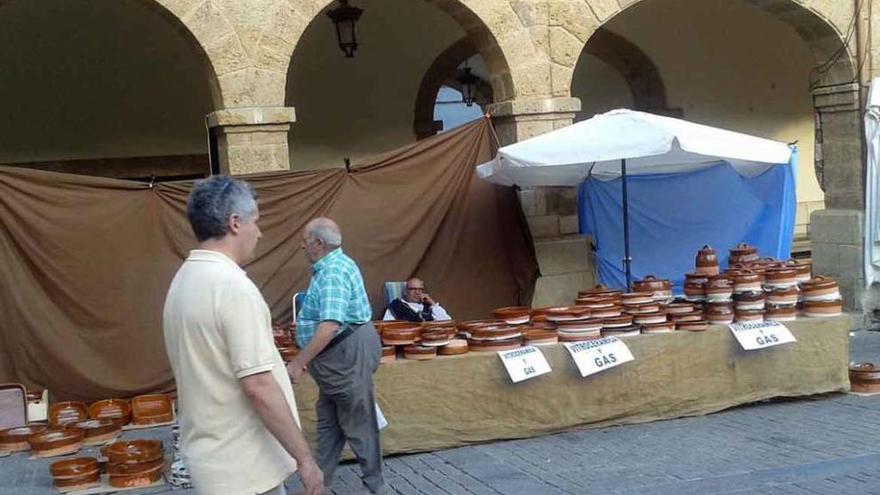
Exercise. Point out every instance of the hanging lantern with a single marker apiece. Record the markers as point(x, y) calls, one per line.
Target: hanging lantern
point(345, 18)
point(468, 83)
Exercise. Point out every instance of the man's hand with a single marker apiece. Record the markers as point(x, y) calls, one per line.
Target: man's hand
point(312, 478)
point(426, 299)
point(295, 370)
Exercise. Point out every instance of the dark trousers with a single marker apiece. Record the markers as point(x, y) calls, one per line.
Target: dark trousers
point(346, 405)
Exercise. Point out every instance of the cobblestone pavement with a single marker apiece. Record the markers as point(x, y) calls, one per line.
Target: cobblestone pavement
point(828, 444)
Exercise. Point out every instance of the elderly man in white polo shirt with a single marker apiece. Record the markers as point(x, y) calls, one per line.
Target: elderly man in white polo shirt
point(238, 420)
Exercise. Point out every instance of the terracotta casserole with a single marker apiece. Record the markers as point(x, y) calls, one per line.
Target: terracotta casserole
point(864, 378)
point(99, 431)
point(513, 315)
point(117, 409)
point(16, 439)
point(151, 409)
point(66, 413)
point(56, 441)
point(75, 474)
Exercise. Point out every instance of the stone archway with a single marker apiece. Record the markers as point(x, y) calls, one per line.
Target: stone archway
point(636, 68)
point(338, 120)
point(112, 87)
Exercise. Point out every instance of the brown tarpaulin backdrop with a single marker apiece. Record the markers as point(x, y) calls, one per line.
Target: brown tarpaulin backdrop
point(87, 261)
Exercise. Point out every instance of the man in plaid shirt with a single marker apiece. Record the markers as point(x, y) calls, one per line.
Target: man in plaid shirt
point(341, 349)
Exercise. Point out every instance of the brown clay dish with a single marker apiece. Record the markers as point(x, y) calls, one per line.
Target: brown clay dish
point(133, 451)
point(77, 473)
point(514, 315)
point(56, 441)
point(117, 409)
point(99, 431)
point(65, 413)
point(16, 439)
point(151, 409)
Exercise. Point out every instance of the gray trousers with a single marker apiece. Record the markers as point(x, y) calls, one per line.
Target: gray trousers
point(346, 405)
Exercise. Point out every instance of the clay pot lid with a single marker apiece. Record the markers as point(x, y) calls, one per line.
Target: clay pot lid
point(637, 295)
point(819, 282)
point(65, 413)
point(111, 408)
point(133, 451)
point(97, 424)
point(439, 324)
point(651, 283)
point(20, 433)
point(401, 326)
point(437, 334)
point(781, 272)
point(73, 468)
point(511, 311)
point(588, 323)
point(743, 249)
point(647, 307)
point(567, 311)
point(599, 290)
point(706, 249)
point(679, 307)
point(596, 301)
point(618, 320)
point(494, 332)
point(388, 350)
point(55, 437)
point(463, 326)
point(623, 329)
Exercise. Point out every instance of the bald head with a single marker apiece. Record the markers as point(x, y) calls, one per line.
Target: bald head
point(325, 230)
point(320, 236)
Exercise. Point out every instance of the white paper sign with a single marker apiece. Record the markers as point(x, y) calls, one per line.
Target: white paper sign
point(524, 363)
point(761, 334)
point(598, 355)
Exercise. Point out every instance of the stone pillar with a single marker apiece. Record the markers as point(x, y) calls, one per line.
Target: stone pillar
point(252, 139)
point(564, 256)
point(836, 232)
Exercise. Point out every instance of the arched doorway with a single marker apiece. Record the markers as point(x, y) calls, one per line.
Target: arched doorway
point(365, 105)
point(739, 64)
point(107, 87)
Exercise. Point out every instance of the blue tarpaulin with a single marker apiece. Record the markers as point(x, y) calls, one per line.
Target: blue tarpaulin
point(671, 216)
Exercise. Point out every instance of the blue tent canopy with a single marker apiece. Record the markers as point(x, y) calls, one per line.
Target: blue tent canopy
point(671, 216)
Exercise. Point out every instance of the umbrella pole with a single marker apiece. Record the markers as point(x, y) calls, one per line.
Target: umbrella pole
point(627, 260)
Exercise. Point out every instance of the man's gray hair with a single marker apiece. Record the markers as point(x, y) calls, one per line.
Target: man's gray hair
point(326, 230)
point(213, 200)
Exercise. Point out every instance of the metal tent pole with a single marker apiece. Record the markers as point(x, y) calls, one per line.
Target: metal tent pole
point(627, 260)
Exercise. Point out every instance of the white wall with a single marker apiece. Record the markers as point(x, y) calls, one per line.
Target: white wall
point(724, 63)
point(362, 106)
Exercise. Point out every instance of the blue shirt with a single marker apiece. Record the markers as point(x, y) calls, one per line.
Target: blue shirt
point(336, 293)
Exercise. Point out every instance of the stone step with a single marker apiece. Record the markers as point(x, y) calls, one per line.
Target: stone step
point(564, 254)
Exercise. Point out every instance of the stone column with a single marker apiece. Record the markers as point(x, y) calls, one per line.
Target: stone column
point(252, 139)
point(563, 255)
point(836, 232)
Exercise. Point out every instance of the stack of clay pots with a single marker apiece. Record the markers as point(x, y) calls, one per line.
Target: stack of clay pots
point(754, 288)
point(418, 341)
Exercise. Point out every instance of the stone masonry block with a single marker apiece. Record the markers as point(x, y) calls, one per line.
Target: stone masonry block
point(825, 258)
point(850, 260)
point(544, 226)
point(569, 224)
point(837, 226)
point(566, 255)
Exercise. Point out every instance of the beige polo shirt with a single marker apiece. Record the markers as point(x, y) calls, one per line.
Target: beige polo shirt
point(218, 329)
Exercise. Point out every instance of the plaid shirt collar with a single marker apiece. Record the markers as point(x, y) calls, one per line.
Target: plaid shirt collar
point(326, 260)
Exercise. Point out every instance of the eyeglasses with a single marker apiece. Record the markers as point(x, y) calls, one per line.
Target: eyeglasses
point(416, 289)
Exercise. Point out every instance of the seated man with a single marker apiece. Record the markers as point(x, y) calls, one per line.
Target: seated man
point(416, 305)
